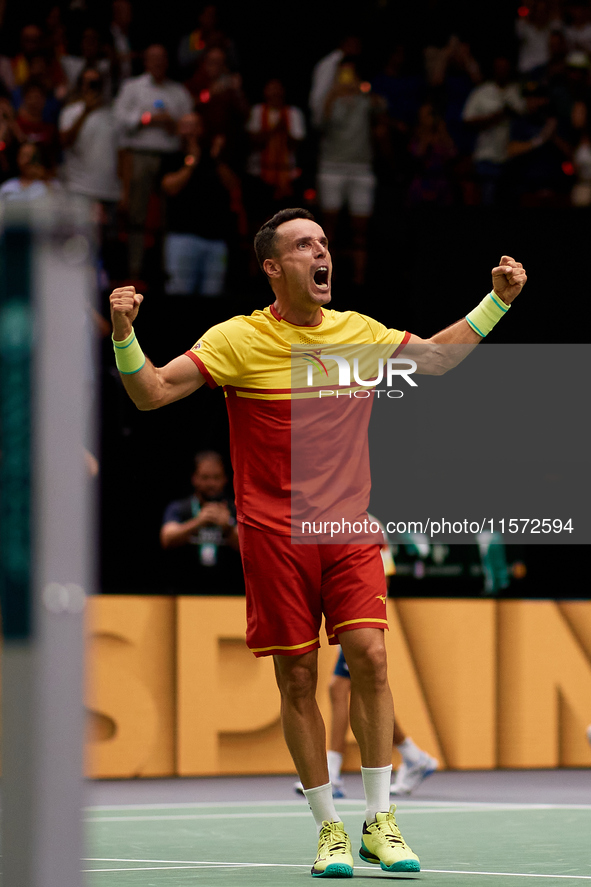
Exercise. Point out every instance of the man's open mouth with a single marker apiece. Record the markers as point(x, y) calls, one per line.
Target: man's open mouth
point(321, 276)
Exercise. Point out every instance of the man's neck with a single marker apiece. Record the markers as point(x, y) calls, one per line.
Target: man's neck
point(297, 315)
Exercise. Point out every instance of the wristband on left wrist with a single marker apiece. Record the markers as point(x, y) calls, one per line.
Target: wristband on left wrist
point(487, 314)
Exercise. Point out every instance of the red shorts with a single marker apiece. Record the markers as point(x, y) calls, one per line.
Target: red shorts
point(289, 587)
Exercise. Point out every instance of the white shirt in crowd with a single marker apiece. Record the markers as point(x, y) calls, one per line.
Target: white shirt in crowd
point(90, 165)
point(14, 189)
point(141, 95)
point(578, 38)
point(534, 48)
point(323, 75)
point(487, 99)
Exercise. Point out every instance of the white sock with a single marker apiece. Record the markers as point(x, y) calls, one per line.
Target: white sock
point(335, 762)
point(376, 785)
point(411, 753)
point(321, 804)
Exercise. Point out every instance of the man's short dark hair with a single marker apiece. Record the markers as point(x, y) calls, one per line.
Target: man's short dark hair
point(208, 456)
point(264, 242)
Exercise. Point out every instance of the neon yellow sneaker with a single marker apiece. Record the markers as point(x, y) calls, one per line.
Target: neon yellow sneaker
point(381, 842)
point(334, 859)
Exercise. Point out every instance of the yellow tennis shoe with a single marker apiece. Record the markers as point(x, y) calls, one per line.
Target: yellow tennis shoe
point(381, 842)
point(334, 859)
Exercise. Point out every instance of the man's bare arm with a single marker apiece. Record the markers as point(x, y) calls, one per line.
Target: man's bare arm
point(151, 387)
point(508, 280)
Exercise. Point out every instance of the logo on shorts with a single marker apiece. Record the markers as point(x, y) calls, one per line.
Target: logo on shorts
point(197, 346)
point(381, 597)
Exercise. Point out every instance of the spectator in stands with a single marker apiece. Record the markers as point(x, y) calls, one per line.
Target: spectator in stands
point(219, 98)
point(35, 176)
point(30, 118)
point(15, 71)
point(199, 220)
point(578, 26)
point(89, 139)
point(200, 535)
point(489, 110)
point(208, 33)
point(276, 130)
point(11, 137)
point(123, 52)
point(93, 53)
point(571, 97)
point(453, 74)
point(345, 174)
point(553, 72)
point(147, 110)
point(401, 87)
point(581, 190)
point(324, 73)
point(433, 151)
point(533, 31)
point(55, 39)
point(536, 153)
point(42, 73)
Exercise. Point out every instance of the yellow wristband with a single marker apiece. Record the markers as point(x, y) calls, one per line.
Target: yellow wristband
point(129, 357)
point(488, 313)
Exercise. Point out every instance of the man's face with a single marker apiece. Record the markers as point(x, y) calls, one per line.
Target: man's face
point(214, 63)
point(31, 39)
point(34, 101)
point(209, 480)
point(156, 62)
point(28, 161)
point(302, 267)
point(190, 126)
point(274, 93)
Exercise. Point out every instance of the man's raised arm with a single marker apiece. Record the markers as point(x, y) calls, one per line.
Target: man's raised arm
point(508, 279)
point(148, 386)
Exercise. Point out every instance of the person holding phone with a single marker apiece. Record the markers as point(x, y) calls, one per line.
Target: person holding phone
point(88, 136)
point(345, 168)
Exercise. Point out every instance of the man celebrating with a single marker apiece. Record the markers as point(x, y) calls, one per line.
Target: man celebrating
point(289, 587)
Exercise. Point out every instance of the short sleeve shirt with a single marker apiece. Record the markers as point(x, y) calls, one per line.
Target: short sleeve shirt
point(265, 366)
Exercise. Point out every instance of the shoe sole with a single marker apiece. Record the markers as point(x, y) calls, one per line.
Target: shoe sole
point(335, 870)
point(403, 865)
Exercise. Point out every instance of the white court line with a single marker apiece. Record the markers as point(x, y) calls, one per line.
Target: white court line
point(402, 804)
point(170, 864)
point(183, 816)
point(277, 814)
point(508, 874)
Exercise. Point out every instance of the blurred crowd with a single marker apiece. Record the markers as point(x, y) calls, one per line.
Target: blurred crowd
point(183, 165)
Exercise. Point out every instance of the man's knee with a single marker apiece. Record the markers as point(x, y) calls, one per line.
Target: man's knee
point(367, 659)
point(297, 677)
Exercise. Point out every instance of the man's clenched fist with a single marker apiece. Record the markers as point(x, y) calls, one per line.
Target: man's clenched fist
point(125, 304)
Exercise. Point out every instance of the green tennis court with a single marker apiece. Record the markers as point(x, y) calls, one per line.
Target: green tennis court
point(272, 842)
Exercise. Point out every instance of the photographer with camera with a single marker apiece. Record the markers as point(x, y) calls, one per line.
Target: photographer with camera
point(88, 136)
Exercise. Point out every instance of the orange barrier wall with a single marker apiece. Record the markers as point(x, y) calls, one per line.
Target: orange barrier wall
point(173, 690)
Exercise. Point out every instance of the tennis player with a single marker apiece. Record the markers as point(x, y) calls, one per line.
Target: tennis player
point(288, 586)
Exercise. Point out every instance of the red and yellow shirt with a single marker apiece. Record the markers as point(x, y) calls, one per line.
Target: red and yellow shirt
point(263, 363)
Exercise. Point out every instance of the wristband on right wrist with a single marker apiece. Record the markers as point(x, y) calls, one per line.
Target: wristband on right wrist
point(487, 314)
point(129, 357)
